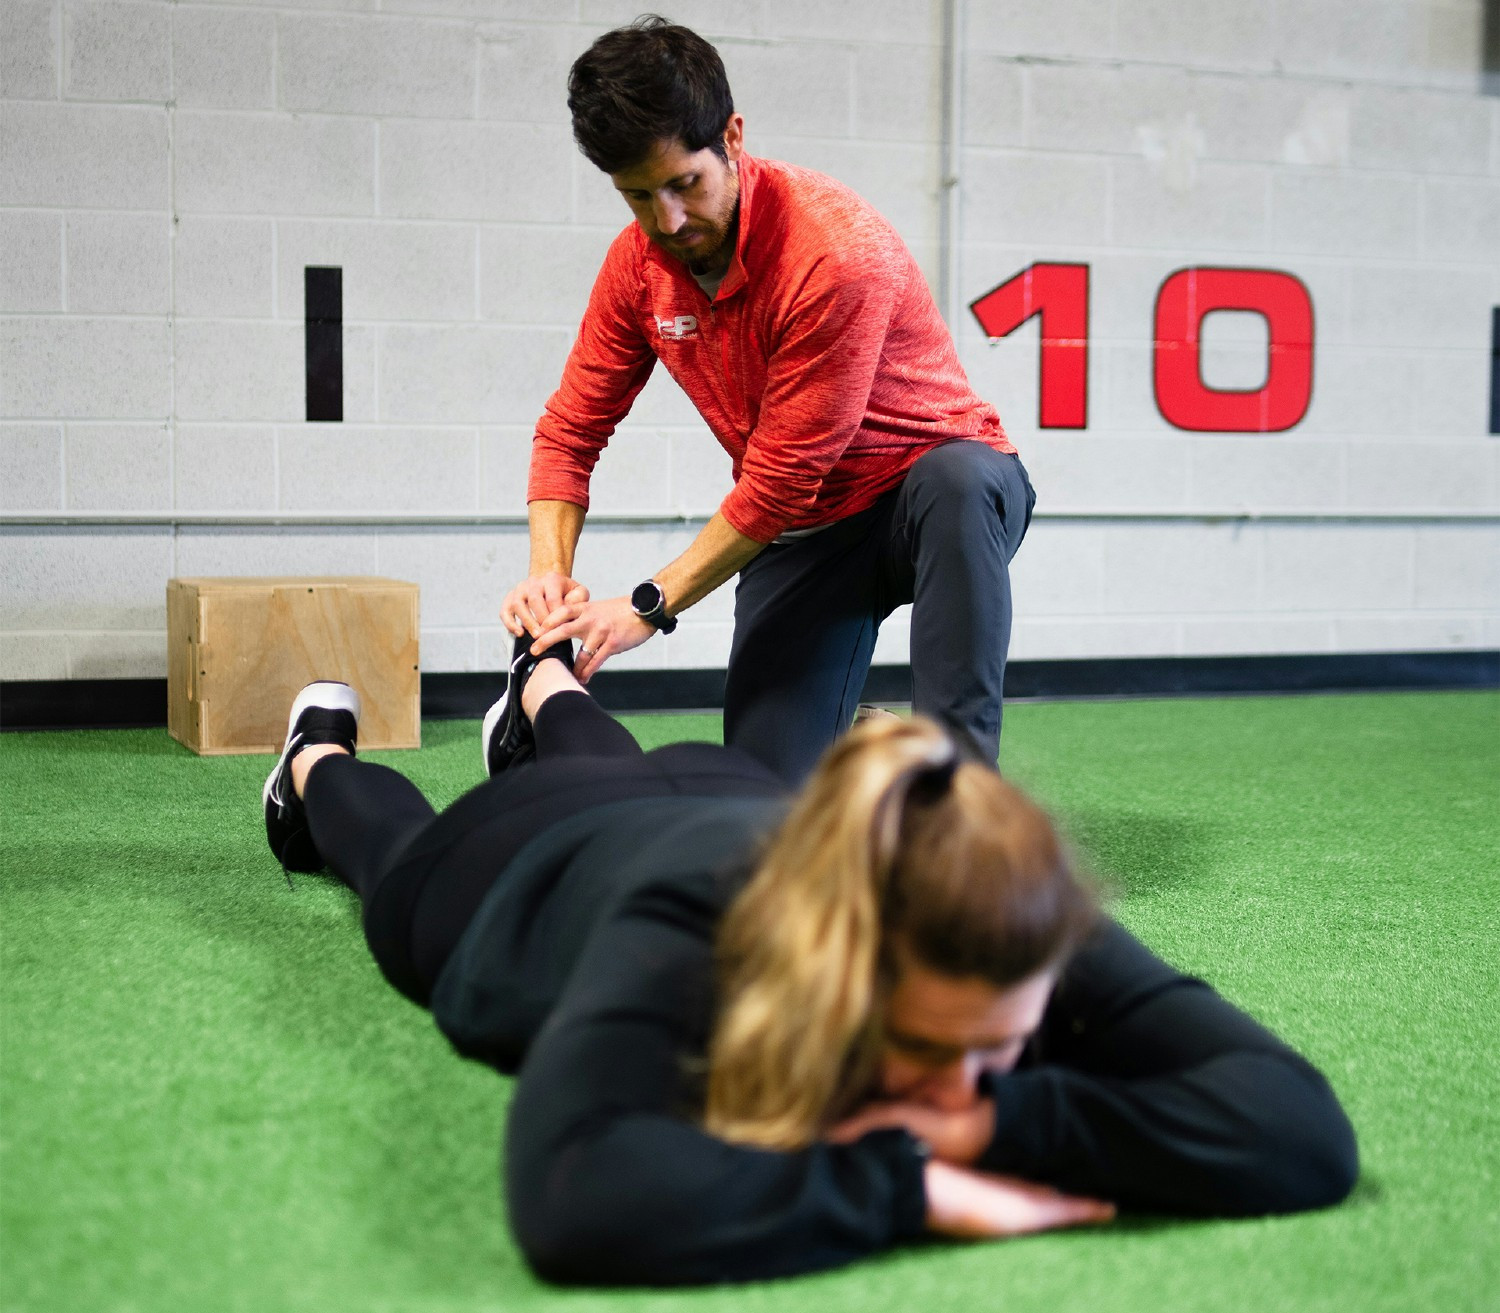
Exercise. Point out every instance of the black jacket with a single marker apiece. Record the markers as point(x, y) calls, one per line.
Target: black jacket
point(590, 970)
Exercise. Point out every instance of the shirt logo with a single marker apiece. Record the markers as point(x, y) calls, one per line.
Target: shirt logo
point(680, 329)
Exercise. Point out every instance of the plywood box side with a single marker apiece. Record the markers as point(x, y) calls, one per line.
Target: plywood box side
point(184, 722)
point(256, 643)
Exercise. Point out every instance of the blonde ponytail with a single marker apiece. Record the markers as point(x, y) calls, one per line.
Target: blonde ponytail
point(800, 948)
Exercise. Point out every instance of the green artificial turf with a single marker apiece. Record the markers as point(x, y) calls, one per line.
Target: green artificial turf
point(210, 1100)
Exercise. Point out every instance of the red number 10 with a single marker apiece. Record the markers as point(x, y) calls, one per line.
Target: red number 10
point(1059, 293)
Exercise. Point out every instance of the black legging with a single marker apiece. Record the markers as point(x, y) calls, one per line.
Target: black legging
point(421, 876)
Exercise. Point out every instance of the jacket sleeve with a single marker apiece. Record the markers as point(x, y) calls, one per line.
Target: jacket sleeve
point(607, 367)
point(1152, 1091)
point(609, 1179)
point(821, 369)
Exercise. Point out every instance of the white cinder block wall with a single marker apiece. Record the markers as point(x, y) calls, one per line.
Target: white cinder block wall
point(167, 170)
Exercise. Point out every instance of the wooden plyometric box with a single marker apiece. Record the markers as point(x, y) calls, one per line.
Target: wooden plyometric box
point(238, 651)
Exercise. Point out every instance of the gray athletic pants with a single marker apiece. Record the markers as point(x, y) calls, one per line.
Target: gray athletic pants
point(806, 612)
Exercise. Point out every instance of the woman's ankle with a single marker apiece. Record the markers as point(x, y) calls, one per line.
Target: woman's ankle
point(309, 757)
point(549, 678)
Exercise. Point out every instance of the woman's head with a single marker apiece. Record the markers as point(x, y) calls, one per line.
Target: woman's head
point(901, 932)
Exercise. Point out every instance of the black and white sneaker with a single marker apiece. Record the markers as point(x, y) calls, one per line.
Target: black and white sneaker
point(506, 738)
point(324, 712)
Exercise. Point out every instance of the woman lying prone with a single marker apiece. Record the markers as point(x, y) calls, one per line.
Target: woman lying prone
point(758, 1034)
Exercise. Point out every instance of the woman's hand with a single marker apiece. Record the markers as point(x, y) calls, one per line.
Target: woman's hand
point(976, 1205)
point(954, 1137)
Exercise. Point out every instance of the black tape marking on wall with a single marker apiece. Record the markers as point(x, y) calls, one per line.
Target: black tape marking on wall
point(323, 290)
point(1495, 370)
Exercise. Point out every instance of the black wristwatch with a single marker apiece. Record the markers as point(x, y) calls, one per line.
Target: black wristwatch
point(650, 603)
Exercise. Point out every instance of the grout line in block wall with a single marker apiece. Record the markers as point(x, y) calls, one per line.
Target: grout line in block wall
point(62, 255)
point(478, 313)
point(58, 37)
point(375, 169)
point(62, 464)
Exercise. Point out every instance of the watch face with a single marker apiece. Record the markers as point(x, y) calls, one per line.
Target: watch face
point(646, 598)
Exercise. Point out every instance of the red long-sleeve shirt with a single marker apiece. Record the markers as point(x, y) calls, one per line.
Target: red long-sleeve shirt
point(822, 366)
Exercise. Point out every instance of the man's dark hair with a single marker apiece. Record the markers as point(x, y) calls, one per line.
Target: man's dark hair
point(648, 82)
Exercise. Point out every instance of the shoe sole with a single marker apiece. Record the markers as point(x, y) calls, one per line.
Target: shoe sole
point(492, 719)
point(496, 714)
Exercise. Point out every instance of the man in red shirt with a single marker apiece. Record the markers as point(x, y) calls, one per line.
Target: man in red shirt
point(867, 473)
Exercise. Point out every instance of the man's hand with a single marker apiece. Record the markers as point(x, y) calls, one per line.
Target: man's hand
point(602, 629)
point(954, 1137)
point(528, 605)
point(976, 1205)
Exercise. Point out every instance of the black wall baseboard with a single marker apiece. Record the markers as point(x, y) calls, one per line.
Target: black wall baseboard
point(136, 703)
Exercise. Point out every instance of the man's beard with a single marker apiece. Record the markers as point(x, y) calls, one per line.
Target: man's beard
point(714, 251)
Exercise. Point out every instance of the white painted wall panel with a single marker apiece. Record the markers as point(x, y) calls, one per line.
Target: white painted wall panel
point(239, 370)
point(994, 100)
point(118, 51)
point(1427, 473)
point(270, 164)
point(290, 551)
point(1338, 213)
point(119, 264)
point(1032, 198)
point(33, 656)
point(103, 157)
point(1461, 221)
point(521, 69)
point(223, 268)
point(1267, 471)
point(1418, 131)
point(111, 654)
point(482, 374)
point(28, 49)
point(1374, 39)
point(118, 467)
point(538, 275)
point(224, 467)
point(345, 469)
point(1327, 568)
point(1197, 33)
point(1458, 569)
point(1066, 28)
point(31, 467)
point(223, 58)
point(388, 66)
point(85, 578)
point(489, 171)
point(31, 273)
point(1170, 202)
point(79, 368)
